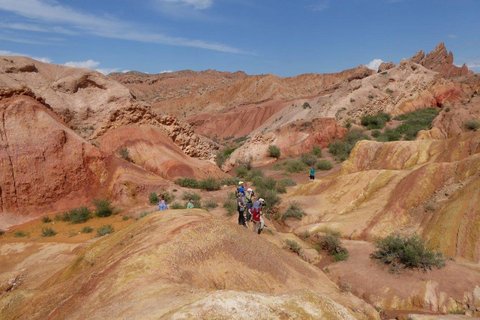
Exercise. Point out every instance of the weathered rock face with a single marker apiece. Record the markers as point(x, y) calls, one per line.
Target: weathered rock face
point(384, 66)
point(183, 265)
point(41, 160)
point(151, 148)
point(440, 60)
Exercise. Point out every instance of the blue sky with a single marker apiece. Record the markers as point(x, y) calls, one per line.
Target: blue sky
point(284, 37)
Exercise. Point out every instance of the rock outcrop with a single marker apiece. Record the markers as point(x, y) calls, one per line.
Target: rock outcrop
point(440, 60)
point(384, 66)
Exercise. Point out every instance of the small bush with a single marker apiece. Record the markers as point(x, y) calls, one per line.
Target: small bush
point(230, 204)
point(376, 133)
point(167, 196)
point(269, 195)
point(287, 182)
point(306, 105)
point(104, 230)
point(389, 135)
point(331, 243)
point(242, 171)
point(125, 218)
point(125, 154)
point(341, 149)
point(77, 215)
point(87, 230)
point(223, 155)
point(19, 234)
point(294, 166)
point(48, 232)
point(293, 211)
point(177, 206)
point(472, 125)
point(324, 165)
point(195, 197)
point(209, 184)
point(309, 159)
point(187, 183)
point(46, 219)
point(153, 198)
point(376, 121)
point(281, 188)
point(103, 208)
point(389, 91)
point(340, 256)
point(415, 121)
point(273, 151)
point(229, 181)
point(210, 204)
point(317, 151)
point(407, 252)
point(293, 246)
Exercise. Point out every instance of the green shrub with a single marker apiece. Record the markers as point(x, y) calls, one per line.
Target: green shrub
point(230, 204)
point(125, 154)
point(415, 121)
point(209, 184)
point(254, 174)
point(87, 230)
point(294, 166)
point(48, 232)
point(330, 242)
point(287, 182)
point(103, 207)
point(20, 234)
point(293, 246)
point(261, 182)
point(242, 171)
point(472, 125)
point(210, 204)
point(177, 206)
point(309, 159)
point(153, 198)
point(187, 183)
point(389, 91)
point(293, 211)
point(273, 151)
point(46, 219)
point(324, 165)
point(306, 105)
point(376, 133)
point(341, 149)
point(376, 121)
point(390, 135)
point(195, 197)
point(223, 155)
point(281, 188)
point(407, 252)
point(317, 151)
point(269, 195)
point(167, 196)
point(104, 230)
point(229, 181)
point(77, 215)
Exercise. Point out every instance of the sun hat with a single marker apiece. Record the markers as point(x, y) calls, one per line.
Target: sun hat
point(249, 190)
point(240, 182)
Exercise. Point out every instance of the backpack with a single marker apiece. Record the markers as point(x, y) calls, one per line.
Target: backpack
point(255, 214)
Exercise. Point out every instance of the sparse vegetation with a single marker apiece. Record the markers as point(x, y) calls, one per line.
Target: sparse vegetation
point(341, 149)
point(177, 206)
point(293, 246)
point(77, 215)
point(274, 151)
point(87, 229)
point(153, 198)
point(306, 105)
point(125, 154)
point(317, 151)
point(472, 125)
point(104, 230)
point(376, 121)
point(103, 207)
point(294, 166)
point(209, 184)
point(331, 243)
point(407, 252)
point(287, 182)
point(187, 183)
point(376, 133)
point(224, 154)
point(46, 219)
point(309, 159)
point(324, 165)
point(125, 218)
point(389, 91)
point(210, 204)
point(230, 204)
point(412, 123)
point(195, 197)
point(20, 234)
point(293, 211)
point(389, 135)
point(48, 232)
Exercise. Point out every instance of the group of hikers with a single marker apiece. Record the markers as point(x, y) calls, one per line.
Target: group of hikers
point(249, 208)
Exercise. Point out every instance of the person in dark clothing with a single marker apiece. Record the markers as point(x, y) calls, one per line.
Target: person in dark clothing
point(241, 210)
point(312, 173)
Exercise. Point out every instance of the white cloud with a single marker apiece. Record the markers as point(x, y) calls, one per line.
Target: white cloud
point(474, 64)
point(10, 53)
point(196, 4)
point(36, 28)
point(88, 64)
point(166, 71)
point(320, 5)
point(374, 64)
point(53, 12)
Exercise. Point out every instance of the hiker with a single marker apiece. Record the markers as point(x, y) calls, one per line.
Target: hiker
point(241, 188)
point(249, 197)
point(241, 210)
point(257, 219)
point(190, 204)
point(162, 204)
point(312, 173)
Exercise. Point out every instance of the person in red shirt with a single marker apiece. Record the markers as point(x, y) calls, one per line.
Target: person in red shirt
point(257, 219)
